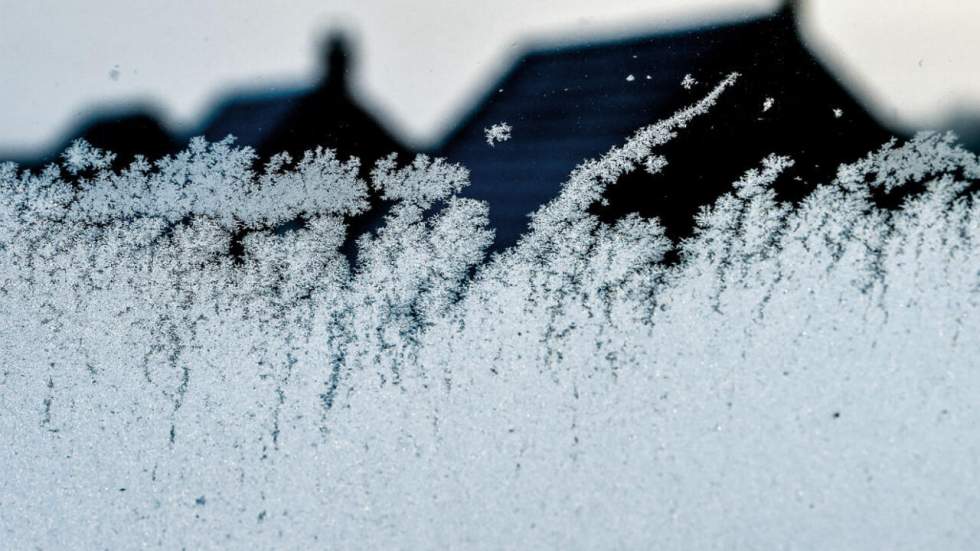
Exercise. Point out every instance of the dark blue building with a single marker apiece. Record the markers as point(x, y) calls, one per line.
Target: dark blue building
point(570, 103)
point(296, 120)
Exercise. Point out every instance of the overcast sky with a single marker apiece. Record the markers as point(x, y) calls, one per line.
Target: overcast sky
point(420, 63)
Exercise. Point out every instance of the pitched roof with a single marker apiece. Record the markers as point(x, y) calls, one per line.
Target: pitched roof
point(271, 121)
point(570, 103)
point(250, 116)
point(296, 120)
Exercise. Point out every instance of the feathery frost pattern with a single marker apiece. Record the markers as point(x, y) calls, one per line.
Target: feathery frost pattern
point(804, 374)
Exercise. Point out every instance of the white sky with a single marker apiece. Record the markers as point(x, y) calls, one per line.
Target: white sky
point(420, 63)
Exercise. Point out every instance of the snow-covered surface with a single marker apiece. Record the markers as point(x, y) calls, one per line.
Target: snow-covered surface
point(805, 377)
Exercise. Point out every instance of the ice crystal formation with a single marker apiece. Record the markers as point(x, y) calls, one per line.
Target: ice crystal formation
point(497, 133)
point(805, 375)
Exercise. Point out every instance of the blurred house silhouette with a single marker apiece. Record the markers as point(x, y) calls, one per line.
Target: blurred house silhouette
point(126, 130)
point(571, 103)
point(270, 122)
point(298, 120)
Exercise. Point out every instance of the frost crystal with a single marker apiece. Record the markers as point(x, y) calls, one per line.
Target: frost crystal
point(497, 133)
point(81, 156)
point(190, 359)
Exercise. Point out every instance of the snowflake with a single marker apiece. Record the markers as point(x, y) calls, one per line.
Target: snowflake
point(80, 156)
point(497, 133)
point(630, 78)
point(768, 104)
point(838, 113)
point(689, 81)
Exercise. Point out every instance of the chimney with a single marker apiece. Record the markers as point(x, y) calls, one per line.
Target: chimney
point(336, 60)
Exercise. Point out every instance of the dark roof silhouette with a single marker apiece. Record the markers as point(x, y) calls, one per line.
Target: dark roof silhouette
point(127, 131)
point(571, 103)
point(298, 120)
point(293, 120)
